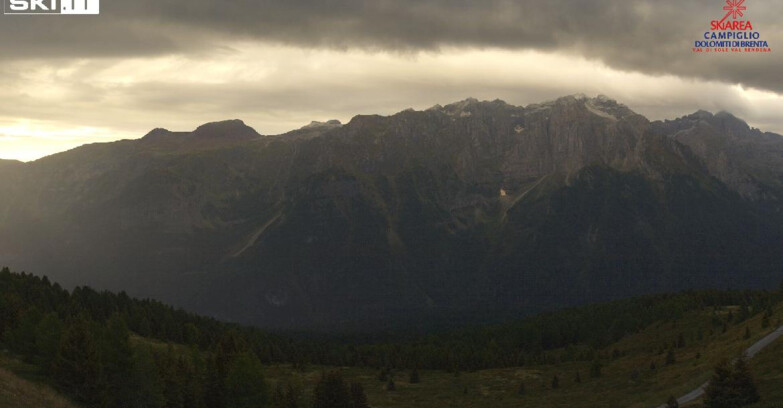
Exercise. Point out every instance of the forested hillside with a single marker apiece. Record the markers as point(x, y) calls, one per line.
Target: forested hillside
point(105, 349)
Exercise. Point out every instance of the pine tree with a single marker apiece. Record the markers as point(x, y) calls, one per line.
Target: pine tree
point(285, 396)
point(190, 368)
point(331, 392)
point(383, 375)
point(595, 369)
point(672, 403)
point(680, 341)
point(414, 377)
point(214, 383)
point(747, 333)
point(578, 378)
point(21, 338)
point(171, 374)
point(390, 385)
point(77, 368)
point(670, 357)
point(144, 381)
point(358, 397)
point(245, 387)
point(742, 382)
point(47, 340)
point(555, 382)
point(291, 398)
point(116, 357)
point(731, 386)
point(521, 389)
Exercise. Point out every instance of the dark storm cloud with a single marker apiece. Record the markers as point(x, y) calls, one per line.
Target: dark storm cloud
point(652, 36)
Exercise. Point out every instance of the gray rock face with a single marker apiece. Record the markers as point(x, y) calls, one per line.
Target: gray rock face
point(747, 160)
point(462, 209)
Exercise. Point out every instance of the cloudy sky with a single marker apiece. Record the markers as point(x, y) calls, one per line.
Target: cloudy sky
point(278, 64)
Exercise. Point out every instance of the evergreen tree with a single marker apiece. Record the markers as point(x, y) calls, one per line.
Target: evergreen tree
point(144, 381)
point(192, 369)
point(414, 377)
point(77, 367)
point(191, 334)
point(21, 338)
point(521, 388)
point(672, 403)
point(742, 382)
point(245, 386)
point(578, 378)
point(331, 392)
point(731, 386)
point(214, 383)
point(358, 397)
point(743, 314)
point(171, 377)
point(290, 398)
point(390, 385)
point(680, 341)
point(187, 383)
point(595, 369)
point(116, 358)
point(555, 382)
point(747, 333)
point(217, 370)
point(670, 357)
point(47, 340)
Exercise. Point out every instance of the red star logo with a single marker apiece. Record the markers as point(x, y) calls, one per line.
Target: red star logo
point(735, 9)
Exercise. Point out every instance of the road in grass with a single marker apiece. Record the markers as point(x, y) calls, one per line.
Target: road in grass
point(750, 352)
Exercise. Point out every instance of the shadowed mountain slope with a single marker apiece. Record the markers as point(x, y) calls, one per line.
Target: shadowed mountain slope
point(468, 211)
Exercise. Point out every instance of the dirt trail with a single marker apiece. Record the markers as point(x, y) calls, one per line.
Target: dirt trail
point(256, 235)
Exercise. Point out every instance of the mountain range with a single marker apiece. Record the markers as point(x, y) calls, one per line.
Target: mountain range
point(458, 213)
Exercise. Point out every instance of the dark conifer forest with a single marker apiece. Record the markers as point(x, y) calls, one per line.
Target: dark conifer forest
point(108, 350)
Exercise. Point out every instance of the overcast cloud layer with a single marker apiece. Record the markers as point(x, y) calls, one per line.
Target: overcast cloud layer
point(66, 80)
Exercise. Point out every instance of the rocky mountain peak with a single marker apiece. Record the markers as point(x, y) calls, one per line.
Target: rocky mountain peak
point(475, 204)
point(157, 134)
point(234, 129)
point(601, 105)
point(333, 123)
point(469, 106)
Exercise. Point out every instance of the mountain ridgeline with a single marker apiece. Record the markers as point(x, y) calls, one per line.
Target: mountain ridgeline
point(452, 214)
